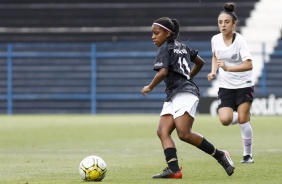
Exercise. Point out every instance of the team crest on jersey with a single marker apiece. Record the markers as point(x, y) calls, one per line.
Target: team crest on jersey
point(158, 64)
point(234, 56)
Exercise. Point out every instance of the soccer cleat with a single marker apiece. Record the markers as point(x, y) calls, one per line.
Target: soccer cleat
point(227, 163)
point(167, 173)
point(247, 159)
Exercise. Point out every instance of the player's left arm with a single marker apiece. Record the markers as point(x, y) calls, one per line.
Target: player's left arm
point(246, 58)
point(198, 64)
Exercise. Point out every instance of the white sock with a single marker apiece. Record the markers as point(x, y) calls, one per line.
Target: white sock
point(235, 118)
point(247, 137)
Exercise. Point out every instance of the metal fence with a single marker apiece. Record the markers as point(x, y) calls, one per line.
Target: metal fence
point(90, 52)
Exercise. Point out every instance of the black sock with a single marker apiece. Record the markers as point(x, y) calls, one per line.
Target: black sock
point(208, 148)
point(171, 159)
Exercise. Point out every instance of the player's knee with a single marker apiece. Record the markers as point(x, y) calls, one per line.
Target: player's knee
point(225, 121)
point(185, 136)
point(243, 119)
point(161, 133)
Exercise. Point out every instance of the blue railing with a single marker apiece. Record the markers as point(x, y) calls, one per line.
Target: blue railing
point(91, 52)
point(276, 53)
point(92, 55)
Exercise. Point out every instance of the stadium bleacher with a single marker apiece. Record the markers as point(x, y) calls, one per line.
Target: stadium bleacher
point(69, 21)
point(270, 81)
point(107, 20)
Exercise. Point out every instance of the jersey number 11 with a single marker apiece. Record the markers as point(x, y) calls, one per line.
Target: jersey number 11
point(184, 67)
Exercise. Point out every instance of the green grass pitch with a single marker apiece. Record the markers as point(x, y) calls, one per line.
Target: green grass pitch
point(47, 149)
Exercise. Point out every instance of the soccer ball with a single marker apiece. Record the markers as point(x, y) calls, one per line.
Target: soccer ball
point(92, 168)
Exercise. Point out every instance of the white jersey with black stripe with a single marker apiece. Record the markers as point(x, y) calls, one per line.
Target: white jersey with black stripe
point(232, 55)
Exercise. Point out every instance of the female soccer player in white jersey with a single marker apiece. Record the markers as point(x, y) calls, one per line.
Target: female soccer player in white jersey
point(179, 108)
point(233, 60)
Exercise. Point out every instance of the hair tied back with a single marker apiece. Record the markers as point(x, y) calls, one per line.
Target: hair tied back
point(229, 7)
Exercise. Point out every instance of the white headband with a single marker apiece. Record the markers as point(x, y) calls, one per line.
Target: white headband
point(163, 27)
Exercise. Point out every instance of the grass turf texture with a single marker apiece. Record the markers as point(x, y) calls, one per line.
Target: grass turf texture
point(48, 149)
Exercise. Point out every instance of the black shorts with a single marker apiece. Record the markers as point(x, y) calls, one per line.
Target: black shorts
point(234, 97)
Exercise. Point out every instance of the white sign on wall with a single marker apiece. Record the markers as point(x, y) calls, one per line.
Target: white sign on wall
point(260, 106)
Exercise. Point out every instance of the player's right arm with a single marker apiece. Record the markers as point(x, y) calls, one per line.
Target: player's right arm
point(214, 68)
point(159, 77)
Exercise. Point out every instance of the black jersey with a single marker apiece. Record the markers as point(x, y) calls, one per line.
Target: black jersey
point(176, 57)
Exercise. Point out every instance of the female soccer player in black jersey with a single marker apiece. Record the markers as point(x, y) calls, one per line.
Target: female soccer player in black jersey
point(179, 108)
